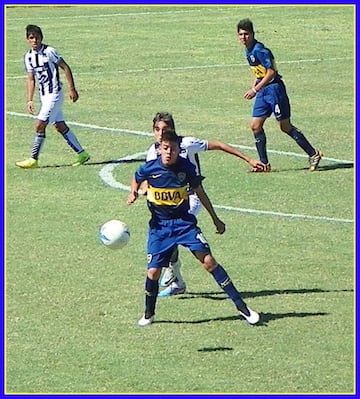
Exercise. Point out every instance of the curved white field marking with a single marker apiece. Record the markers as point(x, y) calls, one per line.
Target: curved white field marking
point(141, 133)
point(107, 176)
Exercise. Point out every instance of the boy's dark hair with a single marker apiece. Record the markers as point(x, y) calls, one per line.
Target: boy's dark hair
point(169, 135)
point(164, 117)
point(245, 24)
point(33, 30)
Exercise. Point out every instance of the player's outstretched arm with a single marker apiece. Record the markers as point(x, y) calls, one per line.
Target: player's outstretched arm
point(219, 145)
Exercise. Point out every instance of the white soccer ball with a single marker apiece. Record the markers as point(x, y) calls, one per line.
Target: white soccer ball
point(114, 234)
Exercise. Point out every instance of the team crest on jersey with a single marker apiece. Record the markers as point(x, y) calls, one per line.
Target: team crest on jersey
point(252, 58)
point(181, 176)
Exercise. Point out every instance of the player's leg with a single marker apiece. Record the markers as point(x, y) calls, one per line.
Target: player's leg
point(314, 155)
point(197, 244)
point(47, 104)
point(225, 283)
point(73, 142)
point(57, 119)
point(261, 112)
point(151, 292)
point(282, 112)
point(160, 246)
point(172, 277)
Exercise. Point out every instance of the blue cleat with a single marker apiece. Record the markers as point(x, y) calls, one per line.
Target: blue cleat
point(172, 290)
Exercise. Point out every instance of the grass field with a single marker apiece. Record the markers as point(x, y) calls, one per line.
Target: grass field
point(72, 305)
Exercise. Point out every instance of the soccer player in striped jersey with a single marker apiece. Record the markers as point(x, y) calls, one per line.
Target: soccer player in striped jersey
point(270, 95)
point(42, 64)
point(190, 147)
point(171, 224)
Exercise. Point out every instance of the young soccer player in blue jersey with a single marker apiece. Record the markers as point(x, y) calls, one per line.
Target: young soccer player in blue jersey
point(270, 95)
point(168, 177)
point(42, 64)
point(190, 147)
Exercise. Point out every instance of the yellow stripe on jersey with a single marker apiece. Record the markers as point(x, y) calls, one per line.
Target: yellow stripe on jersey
point(259, 71)
point(167, 196)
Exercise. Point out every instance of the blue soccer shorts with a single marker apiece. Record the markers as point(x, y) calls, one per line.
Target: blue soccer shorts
point(272, 99)
point(165, 235)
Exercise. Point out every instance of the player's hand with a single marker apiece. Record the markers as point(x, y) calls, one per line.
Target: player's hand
point(132, 197)
point(30, 107)
point(74, 95)
point(220, 226)
point(249, 94)
point(257, 165)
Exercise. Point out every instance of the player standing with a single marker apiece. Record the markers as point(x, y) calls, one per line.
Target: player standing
point(171, 223)
point(270, 95)
point(42, 63)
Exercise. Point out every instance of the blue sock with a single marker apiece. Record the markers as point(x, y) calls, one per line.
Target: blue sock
point(260, 142)
point(224, 281)
point(151, 293)
point(302, 141)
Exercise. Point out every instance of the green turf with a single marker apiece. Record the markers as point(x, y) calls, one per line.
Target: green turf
point(72, 304)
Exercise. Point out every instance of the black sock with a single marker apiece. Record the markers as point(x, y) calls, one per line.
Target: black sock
point(302, 141)
point(260, 142)
point(151, 293)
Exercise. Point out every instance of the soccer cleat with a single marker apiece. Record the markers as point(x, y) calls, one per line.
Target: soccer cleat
point(267, 169)
point(314, 161)
point(172, 290)
point(82, 158)
point(169, 274)
point(29, 163)
point(251, 316)
point(144, 322)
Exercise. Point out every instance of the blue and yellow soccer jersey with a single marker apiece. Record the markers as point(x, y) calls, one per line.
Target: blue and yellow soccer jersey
point(260, 58)
point(167, 191)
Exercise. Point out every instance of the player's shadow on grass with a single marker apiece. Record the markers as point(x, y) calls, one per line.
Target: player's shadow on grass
point(265, 318)
point(90, 163)
point(321, 168)
point(220, 296)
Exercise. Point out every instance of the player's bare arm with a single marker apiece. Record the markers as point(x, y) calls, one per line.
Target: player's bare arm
point(134, 192)
point(219, 145)
point(30, 87)
point(205, 200)
point(73, 94)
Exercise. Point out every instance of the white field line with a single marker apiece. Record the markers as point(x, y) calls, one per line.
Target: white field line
point(106, 174)
point(193, 67)
point(199, 8)
point(141, 133)
point(115, 15)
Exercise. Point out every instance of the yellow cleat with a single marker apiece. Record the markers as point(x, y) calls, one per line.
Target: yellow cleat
point(29, 163)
